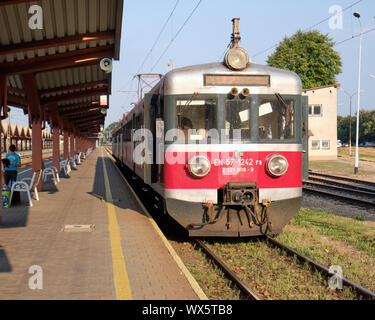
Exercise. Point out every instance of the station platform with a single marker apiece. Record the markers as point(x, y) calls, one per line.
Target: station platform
point(121, 255)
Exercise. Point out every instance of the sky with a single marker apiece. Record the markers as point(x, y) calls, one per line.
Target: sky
point(203, 38)
point(263, 24)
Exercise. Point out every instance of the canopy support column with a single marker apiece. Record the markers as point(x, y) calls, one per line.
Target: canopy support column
point(66, 145)
point(35, 119)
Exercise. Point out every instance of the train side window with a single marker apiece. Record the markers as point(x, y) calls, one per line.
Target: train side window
point(238, 119)
point(276, 119)
point(199, 115)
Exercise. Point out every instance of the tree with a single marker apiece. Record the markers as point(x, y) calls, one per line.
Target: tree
point(310, 55)
point(366, 127)
point(111, 126)
point(108, 133)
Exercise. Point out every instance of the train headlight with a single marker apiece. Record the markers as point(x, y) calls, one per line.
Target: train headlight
point(237, 58)
point(199, 166)
point(276, 165)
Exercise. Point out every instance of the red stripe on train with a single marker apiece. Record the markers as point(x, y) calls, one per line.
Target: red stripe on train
point(224, 169)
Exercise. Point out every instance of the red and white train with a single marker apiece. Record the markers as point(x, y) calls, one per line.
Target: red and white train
point(223, 145)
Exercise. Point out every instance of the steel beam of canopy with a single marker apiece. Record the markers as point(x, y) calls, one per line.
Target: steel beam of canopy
point(90, 125)
point(80, 111)
point(97, 117)
point(89, 115)
point(13, 2)
point(17, 101)
point(16, 90)
point(71, 107)
point(57, 61)
point(70, 96)
point(84, 115)
point(52, 43)
point(103, 83)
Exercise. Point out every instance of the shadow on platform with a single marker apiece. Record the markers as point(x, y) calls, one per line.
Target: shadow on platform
point(4, 262)
point(122, 197)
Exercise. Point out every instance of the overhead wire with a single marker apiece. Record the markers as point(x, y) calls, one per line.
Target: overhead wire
point(158, 37)
point(354, 36)
point(130, 83)
point(176, 35)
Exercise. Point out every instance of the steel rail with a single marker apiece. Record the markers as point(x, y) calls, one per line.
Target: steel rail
point(342, 178)
point(362, 290)
point(339, 196)
point(342, 183)
point(227, 271)
point(339, 188)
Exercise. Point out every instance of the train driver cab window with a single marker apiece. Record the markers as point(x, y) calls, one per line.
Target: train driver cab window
point(238, 119)
point(199, 116)
point(276, 119)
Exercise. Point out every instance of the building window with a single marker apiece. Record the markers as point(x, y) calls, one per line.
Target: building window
point(315, 144)
point(315, 110)
point(326, 144)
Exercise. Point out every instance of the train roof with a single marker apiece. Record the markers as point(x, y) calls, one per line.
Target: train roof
point(191, 79)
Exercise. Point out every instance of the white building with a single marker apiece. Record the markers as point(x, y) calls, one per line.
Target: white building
point(322, 122)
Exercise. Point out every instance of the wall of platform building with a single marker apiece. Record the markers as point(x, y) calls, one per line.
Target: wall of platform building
point(322, 122)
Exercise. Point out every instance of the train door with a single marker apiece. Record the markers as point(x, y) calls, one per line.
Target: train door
point(117, 154)
point(155, 127)
point(148, 153)
point(154, 165)
point(305, 138)
point(133, 142)
point(121, 140)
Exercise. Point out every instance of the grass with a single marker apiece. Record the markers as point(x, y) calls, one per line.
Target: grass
point(365, 153)
point(357, 233)
point(333, 240)
point(273, 274)
point(212, 281)
point(338, 167)
point(328, 239)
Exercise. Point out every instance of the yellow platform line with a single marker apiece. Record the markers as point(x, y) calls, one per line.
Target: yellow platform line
point(120, 273)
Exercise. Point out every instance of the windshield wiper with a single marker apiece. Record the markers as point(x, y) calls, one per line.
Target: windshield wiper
point(287, 111)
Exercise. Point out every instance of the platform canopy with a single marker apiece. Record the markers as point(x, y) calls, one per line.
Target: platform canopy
point(50, 67)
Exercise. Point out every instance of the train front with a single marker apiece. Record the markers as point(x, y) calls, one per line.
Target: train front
point(233, 162)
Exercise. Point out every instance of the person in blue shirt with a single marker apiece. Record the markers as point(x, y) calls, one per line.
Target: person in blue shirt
point(11, 170)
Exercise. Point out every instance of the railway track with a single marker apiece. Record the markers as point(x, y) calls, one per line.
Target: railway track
point(345, 188)
point(239, 283)
point(248, 292)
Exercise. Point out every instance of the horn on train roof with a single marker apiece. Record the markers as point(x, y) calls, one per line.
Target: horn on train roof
point(236, 58)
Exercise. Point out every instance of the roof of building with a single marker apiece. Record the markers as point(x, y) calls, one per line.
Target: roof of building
point(63, 56)
point(337, 85)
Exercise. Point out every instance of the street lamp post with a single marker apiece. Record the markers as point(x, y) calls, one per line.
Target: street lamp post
point(350, 119)
point(356, 162)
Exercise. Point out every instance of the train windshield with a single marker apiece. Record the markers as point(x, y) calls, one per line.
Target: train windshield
point(276, 119)
point(238, 119)
point(196, 115)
